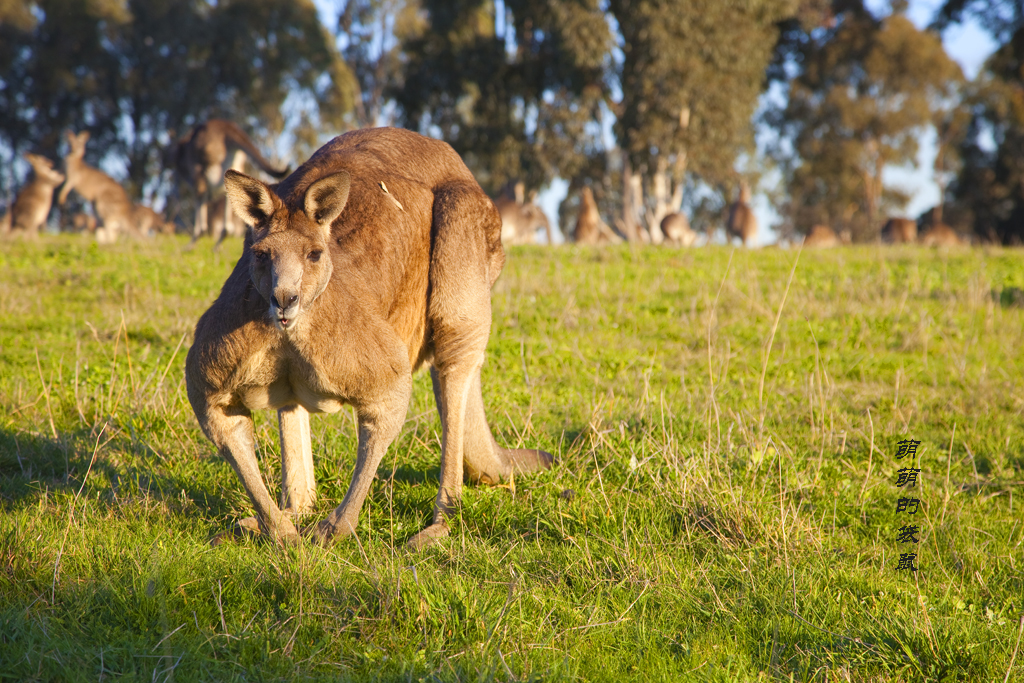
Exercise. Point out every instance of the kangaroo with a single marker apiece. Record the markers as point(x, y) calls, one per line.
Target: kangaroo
point(147, 221)
point(590, 229)
point(822, 236)
point(31, 207)
point(676, 229)
point(520, 221)
point(741, 221)
point(940, 235)
point(109, 199)
point(219, 213)
point(899, 231)
point(373, 258)
point(200, 157)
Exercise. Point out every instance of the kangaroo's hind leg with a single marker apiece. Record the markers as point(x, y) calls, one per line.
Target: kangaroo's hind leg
point(464, 264)
point(484, 461)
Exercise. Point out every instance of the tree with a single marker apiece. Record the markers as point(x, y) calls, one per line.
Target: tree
point(988, 191)
point(515, 86)
point(690, 79)
point(372, 32)
point(863, 91)
point(131, 70)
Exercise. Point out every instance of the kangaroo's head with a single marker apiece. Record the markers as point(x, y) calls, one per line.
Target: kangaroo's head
point(76, 144)
point(44, 169)
point(290, 262)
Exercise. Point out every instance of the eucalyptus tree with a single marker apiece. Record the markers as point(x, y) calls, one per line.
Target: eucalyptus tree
point(988, 191)
point(690, 78)
point(516, 87)
point(129, 71)
point(865, 89)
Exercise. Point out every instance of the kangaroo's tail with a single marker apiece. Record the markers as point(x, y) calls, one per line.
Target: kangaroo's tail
point(237, 136)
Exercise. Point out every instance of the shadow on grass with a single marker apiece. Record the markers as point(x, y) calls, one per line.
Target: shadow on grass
point(34, 465)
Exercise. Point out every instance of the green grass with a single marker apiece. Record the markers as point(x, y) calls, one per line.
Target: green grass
point(702, 523)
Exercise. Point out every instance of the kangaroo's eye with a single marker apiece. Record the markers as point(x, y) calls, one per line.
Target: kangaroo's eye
point(314, 256)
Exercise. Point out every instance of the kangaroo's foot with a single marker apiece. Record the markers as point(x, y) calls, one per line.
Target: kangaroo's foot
point(528, 459)
point(429, 536)
point(243, 528)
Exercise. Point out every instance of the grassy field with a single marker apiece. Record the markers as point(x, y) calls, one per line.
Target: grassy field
point(723, 507)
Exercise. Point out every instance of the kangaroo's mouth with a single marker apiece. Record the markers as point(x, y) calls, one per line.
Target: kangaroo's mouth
point(285, 322)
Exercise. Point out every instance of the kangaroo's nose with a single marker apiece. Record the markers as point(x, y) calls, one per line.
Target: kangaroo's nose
point(289, 300)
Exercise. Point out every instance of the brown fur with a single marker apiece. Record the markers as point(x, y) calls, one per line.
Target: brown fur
point(375, 257)
point(147, 221)
point(940, 235)
point(822, 236)
point(520, 221)
point(676, 229)
point(219, 212)
point(590, 229)
point(108, 197)
point(741, 221)
point(200, 158)
point(899, 231)
point(83, 222)
point(31, 208)
point(589, 219)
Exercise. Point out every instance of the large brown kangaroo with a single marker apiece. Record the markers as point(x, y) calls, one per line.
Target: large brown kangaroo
point(200, 159)
point(108, 197)
point(373, 258)
point(32, 206)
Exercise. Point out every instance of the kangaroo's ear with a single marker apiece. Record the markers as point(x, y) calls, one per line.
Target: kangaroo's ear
point(251, 200)
point(326, 198)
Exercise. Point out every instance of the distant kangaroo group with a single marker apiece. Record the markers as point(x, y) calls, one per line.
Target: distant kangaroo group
point(199, 158)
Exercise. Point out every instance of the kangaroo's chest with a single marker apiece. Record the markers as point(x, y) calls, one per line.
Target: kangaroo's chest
point(321, 377)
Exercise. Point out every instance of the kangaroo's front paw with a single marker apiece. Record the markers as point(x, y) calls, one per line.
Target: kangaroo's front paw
point(429, 536)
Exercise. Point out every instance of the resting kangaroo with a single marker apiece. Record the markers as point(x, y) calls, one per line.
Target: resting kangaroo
point(520, 221)
point(109, 199)
point(590, 229)
point(374, 257)
point(676, 229)
point(899, 231)
point(200, 157)
point(940, 235)
point(32, 206)
point(824, 237)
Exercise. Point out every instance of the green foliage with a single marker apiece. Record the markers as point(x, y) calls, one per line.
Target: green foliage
point(694, 528)
point(128, 71)
point(865, 90)
point(706, 58)
point(989, 189)
point(373, 32)
point(512, 91)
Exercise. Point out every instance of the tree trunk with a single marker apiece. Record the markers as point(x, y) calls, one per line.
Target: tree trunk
point(630, 204)
point(659, 188)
